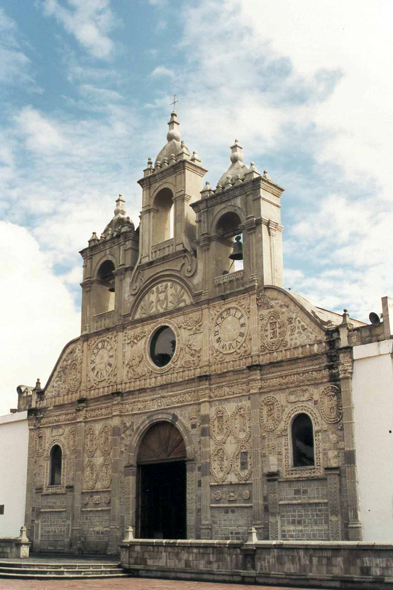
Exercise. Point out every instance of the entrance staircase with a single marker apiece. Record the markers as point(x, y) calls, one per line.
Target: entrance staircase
point(60, 569)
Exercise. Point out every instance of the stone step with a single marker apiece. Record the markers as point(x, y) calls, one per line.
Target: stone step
point(27, 575)
point(53, 565)
point(60, 571)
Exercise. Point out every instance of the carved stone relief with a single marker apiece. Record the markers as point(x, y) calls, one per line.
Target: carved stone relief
point(90, 441)
point(220, 426)
point(164, 296)
point(299, 395)
point(68, 375)
point(270, 412)
point(221, 463)
point(282, 326)
point(105, 439)
point(229, 331)
point(105, 473)
point(102, 361)
point(71, 439)
point(40, 439)
point(242, 463)
point(90, 475)
point(330, 404)
point(241, 423)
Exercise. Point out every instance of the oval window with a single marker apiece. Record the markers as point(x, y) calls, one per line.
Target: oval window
point(162, 346)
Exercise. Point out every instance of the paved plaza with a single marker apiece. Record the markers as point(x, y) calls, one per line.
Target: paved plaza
point(126, 584)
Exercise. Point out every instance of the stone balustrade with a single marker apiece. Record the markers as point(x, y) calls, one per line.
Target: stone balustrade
point(162, 249)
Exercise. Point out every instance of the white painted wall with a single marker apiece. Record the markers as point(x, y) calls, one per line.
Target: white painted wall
point(373, 410)
point(14, 436)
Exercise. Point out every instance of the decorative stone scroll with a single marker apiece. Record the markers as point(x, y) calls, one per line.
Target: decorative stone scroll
point(71, 439)
point(105, 475)
point(164, 296)
point(330, 404)
point(270, 413)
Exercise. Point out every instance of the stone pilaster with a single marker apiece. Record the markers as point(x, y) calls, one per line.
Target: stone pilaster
point(333, 487)
point(274, 513)
point(205, 471)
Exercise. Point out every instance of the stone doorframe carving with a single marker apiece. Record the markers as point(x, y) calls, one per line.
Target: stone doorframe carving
point(130, 469)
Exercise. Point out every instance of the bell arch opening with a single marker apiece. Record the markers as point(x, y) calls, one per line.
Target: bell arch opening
point(104, 292)
point(163, 218)
point(229, 243)
point(161, 484)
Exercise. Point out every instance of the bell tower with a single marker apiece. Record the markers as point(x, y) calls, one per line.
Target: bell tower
point(169, 188)
point(240, 219)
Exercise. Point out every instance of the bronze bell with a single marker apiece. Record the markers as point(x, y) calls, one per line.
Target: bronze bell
point(237, 251)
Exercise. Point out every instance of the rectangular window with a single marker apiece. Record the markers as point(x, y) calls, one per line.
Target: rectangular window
point(1, 508)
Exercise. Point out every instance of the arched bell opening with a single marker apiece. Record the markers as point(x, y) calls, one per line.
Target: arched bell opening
point(163, 217)
point(161, 484)
point(104, 291)
point(229, 244)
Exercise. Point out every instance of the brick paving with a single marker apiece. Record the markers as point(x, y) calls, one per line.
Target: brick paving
point(126, 584)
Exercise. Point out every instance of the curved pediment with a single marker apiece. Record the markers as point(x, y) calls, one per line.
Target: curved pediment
point(161, 296)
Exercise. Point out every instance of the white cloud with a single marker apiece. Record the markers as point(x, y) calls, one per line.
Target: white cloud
point(41, 134)
point(14, 63)
point(162, 71)
point(90, 21)
point(37, 313)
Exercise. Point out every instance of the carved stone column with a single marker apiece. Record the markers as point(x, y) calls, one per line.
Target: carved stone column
point(78, 483)
point(274, 514)
point(130, 497)
point(205, 471)
point(333, 486)
point(256, 444)
point(191, 494)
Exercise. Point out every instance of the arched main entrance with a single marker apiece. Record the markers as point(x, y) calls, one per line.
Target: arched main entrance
point(161, 484)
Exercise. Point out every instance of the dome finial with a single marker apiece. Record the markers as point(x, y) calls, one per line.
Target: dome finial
point(173, 132)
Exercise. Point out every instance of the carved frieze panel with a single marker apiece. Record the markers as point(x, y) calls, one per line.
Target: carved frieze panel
point(68, 375)
point(102, 365)
point(136, 365)
point(295, 379)
point(299, 395)
point(330, 404)
point(162, 297)
point(39, 442)
point(220, 426)
point(270, 412)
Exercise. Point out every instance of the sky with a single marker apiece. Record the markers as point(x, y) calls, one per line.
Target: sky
point(86, 88)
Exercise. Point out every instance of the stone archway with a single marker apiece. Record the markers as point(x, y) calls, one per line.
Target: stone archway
point(161, 483)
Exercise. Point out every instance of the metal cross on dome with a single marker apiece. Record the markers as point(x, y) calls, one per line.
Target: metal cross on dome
point(174, 103)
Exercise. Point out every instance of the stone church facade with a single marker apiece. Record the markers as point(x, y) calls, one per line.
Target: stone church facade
point(198, 401)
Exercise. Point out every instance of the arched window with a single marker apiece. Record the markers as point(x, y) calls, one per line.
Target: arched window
point(163, 220)
point(55, 466)
point(303, 441)
point(229, 236)
point(104, 293)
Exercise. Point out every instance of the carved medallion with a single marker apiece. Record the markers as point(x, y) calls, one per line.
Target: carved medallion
point(102, 360)
point(217, 495)
point(240, 423)
point(71, 439)
point(246, 495)
point(105, 439)
point(270, 413)
point(90, 441)
point(106, 473)
point(273, 331)
point(90, 475)
point(229, 329)
point(73, 376)
point(231, 496)
point(220, 426)
point(220, 464)
point(330, 404)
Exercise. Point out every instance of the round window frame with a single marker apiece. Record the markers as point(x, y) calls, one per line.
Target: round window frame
point(173, 360)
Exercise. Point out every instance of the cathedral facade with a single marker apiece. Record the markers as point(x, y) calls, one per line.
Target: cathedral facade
point(200, 399)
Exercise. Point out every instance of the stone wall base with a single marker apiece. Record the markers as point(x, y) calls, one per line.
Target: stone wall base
point(349, 565)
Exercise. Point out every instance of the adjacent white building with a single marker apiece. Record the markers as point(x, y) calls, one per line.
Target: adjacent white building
point(13, 472)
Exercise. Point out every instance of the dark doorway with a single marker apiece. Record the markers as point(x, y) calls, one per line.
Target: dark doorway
point(163, 500)
point(162, 484)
